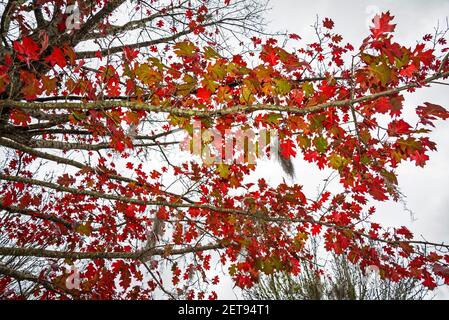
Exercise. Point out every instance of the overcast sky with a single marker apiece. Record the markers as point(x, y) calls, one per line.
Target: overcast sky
point(426, 188)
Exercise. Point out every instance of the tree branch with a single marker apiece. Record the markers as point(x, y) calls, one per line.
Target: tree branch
point(134, 105)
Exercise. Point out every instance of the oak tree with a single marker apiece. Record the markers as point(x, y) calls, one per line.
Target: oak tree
point(96, 97)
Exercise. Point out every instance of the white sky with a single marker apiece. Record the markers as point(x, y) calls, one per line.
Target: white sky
point(426, 188)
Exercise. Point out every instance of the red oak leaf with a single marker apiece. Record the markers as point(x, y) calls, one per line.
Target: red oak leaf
point(203, 94)
point(404, 232)
point(328, 23)
point(269, 55)
point(316, 229)
point(20, 118)
point(419, 158)
point(57, 57)
point(398, 127)
point(66, 180)
point(287, 148)
point(431, 112)
point(383, 105)
point(429, 281)
point(382, 24)
point(408, 71)
point(294, 36)
point(27, 50)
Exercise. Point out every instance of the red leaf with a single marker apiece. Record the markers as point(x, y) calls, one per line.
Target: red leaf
point(130, 54)
point(408, 71)
point(66, 180)
point(294, 36)
point(328, 23)
point(316, 229)
point(429, 281)
point(419, 158)
point(203, 94)
point(20, 118)
point(441, 270)
point(431, 112)
point(398, 127)
point(382, 24)
point(287, 148)
point(27, 50)
point(57, 57)
point(383, 105)
point(268, 54)
point(162, 214)
point(124, 271)
point(378, 193)
point(404, 232)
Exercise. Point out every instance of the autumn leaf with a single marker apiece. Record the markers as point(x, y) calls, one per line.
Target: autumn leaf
point(429, 281)
point(382, 105)
point(430, 112)
point(316, 229)
point(223, 170)
point(382, 24)
point(287, 148)
point(49, 84)
point(328, 23)
point(203, 94)
point(66, 180)
point(420, 158)
point(57, 57)
point(398, 127)
point(282, 86)
point(27, 50)
point(404, 232)
point(294, 36)
point(20, 118)
point(147, 75)
point(185, 48)
point(84, 229)
point(320, 144)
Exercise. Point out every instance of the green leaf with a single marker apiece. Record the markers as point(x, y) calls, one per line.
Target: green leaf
point(316, 121)
point(187, 87)
point(282, 86)
point(273, 118)
point(223, 170)
point(336, 161)
point(84, 229)
point(246, 96)
point(389, 176)
point(185, 48)
point(147, 75)
point(382, 72)
point(320, 144)
point(365, 160)
point(308, 89)
point(232, 270)
point(219, 71)
point(209, 53)
point(401, 62)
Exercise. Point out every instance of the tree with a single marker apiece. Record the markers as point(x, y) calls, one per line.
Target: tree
point(343, 280)
point(93, 180)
